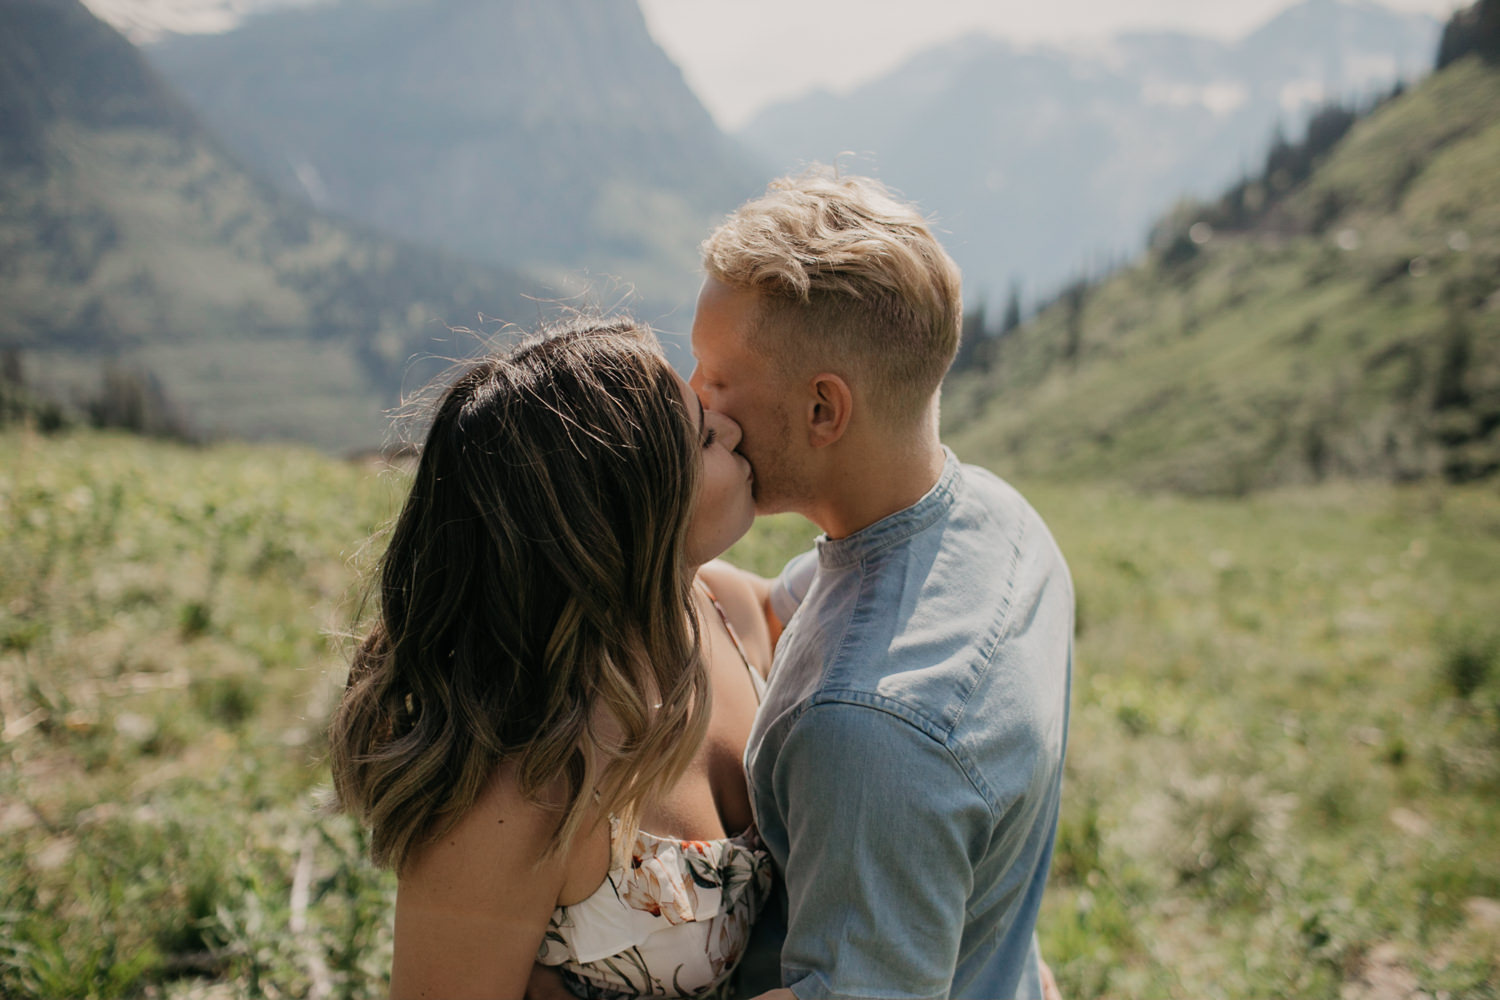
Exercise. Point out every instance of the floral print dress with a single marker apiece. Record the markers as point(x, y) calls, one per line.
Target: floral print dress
point(675, 922)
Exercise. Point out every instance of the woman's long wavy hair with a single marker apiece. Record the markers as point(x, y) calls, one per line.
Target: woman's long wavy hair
point(533, 605)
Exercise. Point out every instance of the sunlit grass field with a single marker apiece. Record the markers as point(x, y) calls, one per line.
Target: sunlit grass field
point(1283, 779)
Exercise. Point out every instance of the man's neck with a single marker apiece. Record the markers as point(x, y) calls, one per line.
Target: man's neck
point(866, 484)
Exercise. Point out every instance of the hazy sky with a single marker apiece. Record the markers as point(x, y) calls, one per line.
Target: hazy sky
point(740, 55)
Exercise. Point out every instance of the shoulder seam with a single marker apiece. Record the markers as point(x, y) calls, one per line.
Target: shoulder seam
point(904, 714)
point(1001, 624)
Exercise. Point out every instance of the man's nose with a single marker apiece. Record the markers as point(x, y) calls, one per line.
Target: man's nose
point(695, 381)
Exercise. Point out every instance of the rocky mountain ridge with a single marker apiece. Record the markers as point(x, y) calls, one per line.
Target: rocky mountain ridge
point(552, 137)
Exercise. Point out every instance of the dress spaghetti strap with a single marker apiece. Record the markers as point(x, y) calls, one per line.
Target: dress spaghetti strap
point(756, 680)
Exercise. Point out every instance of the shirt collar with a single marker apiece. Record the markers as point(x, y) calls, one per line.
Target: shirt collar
point(896, 527)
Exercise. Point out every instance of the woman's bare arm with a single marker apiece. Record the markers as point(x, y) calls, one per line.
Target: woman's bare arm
point(473, 904)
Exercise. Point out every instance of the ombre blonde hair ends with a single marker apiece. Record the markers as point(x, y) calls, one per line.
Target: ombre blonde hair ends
point(532, 602)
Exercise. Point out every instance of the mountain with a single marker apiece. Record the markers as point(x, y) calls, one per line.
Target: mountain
point(1043, 163)
point(550, 135)
point(1336, 315)
point(129, 236)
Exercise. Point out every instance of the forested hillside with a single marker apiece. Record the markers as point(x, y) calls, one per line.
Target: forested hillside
point(1338, 314)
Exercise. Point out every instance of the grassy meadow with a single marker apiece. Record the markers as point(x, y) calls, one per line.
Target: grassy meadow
point(1282, 778)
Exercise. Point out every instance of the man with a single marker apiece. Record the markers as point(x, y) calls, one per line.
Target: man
point(906, 764)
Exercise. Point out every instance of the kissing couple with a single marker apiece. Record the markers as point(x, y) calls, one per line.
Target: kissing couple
point(603, 761)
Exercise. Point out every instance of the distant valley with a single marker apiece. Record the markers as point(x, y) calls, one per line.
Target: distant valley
point(129, 237)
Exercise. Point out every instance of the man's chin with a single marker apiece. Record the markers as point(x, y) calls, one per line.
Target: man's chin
point(772, 497)
point(764, 499)
point(767, 505)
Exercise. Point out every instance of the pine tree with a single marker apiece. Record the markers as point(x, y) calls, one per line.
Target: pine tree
point(1012, 317)
point(1475, 30)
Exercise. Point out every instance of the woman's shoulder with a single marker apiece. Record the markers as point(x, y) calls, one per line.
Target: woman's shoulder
point(741, 595)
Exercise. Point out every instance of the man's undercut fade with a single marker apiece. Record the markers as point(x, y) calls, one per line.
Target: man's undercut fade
point(849, 277)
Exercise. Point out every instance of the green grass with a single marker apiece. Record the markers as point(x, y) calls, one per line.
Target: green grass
point(168, 656)
point(1282, 777)
point(1272, 772)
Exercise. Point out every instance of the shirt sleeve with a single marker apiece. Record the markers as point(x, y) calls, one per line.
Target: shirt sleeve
point(788, 590)
point(882, 826)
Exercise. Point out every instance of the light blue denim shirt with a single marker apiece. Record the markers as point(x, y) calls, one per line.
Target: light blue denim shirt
point(906, 763)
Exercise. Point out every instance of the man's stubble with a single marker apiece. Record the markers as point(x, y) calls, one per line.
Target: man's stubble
point(783, 483)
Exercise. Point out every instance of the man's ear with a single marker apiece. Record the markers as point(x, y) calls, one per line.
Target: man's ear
point(830, 404)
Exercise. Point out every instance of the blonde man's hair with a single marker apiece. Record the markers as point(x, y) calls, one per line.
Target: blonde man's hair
point(847, 275)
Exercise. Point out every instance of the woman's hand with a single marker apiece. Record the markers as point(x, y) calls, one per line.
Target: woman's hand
point(547, 984)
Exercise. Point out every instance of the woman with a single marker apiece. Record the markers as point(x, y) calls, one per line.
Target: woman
point(543, 728)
